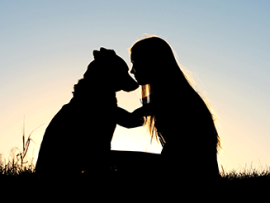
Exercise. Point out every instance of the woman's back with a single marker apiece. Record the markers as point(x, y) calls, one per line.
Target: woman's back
point(190, 136)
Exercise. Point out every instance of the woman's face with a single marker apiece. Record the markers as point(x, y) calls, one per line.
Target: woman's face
point(140, 68)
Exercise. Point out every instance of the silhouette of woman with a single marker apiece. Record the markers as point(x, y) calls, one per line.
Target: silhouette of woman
point(176, 114)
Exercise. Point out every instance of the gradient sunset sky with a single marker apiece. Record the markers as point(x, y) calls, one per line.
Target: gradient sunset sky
point(46, 46)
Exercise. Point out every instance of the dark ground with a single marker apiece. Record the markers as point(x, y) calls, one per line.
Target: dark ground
point(133, 174)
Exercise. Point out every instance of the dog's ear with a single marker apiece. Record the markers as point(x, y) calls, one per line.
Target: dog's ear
point(103, 53)
point(107, 52)
point(96, 54)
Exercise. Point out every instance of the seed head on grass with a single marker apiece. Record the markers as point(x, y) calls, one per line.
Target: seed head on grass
point(22, 154)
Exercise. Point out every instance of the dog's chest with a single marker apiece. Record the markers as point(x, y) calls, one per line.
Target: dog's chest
point(103, 108)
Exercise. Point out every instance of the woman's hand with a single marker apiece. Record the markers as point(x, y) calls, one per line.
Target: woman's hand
point(129, 120)
point(134, 119)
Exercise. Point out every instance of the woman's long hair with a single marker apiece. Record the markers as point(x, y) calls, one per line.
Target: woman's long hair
point(168, 84)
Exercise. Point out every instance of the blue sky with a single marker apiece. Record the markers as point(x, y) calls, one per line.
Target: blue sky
point(47, 45)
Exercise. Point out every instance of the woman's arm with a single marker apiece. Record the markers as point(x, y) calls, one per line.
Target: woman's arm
point(131, 120)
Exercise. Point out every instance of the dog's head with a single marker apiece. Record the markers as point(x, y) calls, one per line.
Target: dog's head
point(116, 69)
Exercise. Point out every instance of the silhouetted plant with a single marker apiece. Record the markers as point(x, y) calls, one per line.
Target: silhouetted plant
point(22, 154)
point(17, 165)
point(246, 174)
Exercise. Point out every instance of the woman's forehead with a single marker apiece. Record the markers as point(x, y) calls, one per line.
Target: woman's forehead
point(136, 56)
point(132, 57)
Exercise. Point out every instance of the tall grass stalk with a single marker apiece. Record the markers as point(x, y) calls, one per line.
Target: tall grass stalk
point(26, 144)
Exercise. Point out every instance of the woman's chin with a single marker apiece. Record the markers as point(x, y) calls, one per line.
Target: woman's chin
point(142, 82)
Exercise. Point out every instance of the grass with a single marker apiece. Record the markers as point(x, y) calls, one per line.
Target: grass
point(15, 170)
point(246, 175)
point(236, 184)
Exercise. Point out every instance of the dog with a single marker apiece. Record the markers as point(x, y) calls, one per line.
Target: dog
point(78, 137)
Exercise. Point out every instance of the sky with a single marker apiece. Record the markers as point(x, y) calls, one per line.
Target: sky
point(45, 47)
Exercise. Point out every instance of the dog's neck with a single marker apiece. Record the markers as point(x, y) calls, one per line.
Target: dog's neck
point(87, 92)
point(106, 97)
